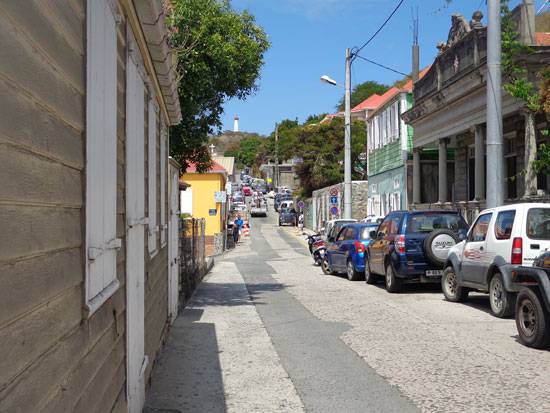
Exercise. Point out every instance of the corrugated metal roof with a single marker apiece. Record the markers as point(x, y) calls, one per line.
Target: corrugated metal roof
point(228, 163)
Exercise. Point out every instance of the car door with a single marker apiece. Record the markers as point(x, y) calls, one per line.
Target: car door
point(345, 246)
point(474, 255)
point(376, 254)
point(335, 251)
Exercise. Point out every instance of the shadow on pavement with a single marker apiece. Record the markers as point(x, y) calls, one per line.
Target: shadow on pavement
point(224, 294)
point(187, 376)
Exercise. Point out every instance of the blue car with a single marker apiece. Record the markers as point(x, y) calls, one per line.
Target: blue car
point(412, 246)
point(347, 252)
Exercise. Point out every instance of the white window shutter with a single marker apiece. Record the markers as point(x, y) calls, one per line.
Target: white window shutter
point(101, 154)
point(163, 174)
point(152, 174)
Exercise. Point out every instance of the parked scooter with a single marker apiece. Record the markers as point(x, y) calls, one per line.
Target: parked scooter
point(311, 239)
point(319, 250)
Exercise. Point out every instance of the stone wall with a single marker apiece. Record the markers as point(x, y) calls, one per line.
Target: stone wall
point(321, 205)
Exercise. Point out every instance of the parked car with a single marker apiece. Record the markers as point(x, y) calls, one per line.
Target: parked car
point(247, 191)
point(333, 227)
point(412, 246)
point(375, 219)
point(533, 302)
point(347, 252)
point(501, 240)
point(240, 207)
point(279, 198)
point(288, 216)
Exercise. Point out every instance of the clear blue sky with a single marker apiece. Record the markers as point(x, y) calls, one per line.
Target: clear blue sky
point(309, 38)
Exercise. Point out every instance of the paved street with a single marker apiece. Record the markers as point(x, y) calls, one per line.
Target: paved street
point(267, 331)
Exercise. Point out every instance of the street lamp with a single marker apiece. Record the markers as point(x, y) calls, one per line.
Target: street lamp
point(347, 134)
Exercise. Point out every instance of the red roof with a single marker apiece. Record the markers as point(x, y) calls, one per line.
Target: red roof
point(392, 92)
point(370, 103)
point(215, 168)
point(542, 39)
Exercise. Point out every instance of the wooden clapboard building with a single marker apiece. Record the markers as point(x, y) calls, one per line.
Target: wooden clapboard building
point(87, 91)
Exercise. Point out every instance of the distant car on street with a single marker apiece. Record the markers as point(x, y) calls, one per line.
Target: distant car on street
point(500, 241)
point(288, 216)
point(247, 191)
point(412, 246)
point(347, 252)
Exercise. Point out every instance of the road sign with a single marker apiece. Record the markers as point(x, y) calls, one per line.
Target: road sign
point(334, 210)
point(220, 196)
point(333, 199)
point(301, 204)
point(334, 191)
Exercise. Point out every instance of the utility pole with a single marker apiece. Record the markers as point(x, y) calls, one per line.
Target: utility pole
point(347, 139)
point(276, 180)
point(495, 175)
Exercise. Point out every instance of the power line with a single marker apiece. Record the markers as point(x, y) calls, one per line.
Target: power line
point(380, 28)
point(542, 7)
point(381, 65)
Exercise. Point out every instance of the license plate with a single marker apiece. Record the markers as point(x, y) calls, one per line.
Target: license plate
point(434, 273)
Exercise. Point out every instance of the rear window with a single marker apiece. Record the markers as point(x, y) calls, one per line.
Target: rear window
point(430, 221)
point(365, 232)
point(538, 223)
point(504, 224)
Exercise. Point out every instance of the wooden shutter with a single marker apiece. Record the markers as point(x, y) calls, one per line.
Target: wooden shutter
point(101, 154)
point(152, 174)
point(163, 173)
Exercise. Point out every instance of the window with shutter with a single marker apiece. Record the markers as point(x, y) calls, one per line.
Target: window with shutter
point(101, 154)
point(163, 174)
point(152, 175)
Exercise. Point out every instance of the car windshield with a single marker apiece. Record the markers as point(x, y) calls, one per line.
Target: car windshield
point(427, 222)
point(365, 231)
point(538, 223)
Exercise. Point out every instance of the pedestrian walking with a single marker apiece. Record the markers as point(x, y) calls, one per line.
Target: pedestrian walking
point(237, 225)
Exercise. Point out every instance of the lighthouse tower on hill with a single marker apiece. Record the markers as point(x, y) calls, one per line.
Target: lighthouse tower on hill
point(236, 124)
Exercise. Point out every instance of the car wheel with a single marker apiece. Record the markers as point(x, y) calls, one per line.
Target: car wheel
point(393, 284)
point(449, 285)
point(353, 274)
point(370, 278)
point(502, 302)
point(325, 265)
point(532, 319)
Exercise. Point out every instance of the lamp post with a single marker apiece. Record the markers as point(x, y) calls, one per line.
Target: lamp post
point(347, 132)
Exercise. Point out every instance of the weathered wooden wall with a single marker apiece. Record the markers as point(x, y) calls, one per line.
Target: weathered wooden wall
point(156, 271)
point(54, 358)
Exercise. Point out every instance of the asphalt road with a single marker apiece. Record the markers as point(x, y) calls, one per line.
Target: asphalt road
point(288, 338)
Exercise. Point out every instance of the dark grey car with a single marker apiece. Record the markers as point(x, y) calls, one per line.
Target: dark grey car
point(288, 216)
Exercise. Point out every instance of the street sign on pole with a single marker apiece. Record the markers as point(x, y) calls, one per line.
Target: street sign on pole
point(333, 191)
point(334, 210)
point(334, 199)
point(220, 196)
point(301, 204)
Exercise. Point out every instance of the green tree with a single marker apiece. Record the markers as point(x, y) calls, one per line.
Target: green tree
point(362, 92)
point(220, 53)
point(248, 150)
point(321, 149)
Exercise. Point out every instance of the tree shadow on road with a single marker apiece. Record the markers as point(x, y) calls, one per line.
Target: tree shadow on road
point(226, 294)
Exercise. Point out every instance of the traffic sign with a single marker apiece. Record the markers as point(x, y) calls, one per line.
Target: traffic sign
point(301, 204)
point(334, 199)
point(334, 210)
point(334, 191)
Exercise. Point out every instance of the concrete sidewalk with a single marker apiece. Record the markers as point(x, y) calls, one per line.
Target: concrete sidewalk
point(219, 356)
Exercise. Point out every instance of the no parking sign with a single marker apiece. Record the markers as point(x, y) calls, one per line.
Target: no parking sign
point(334, 210)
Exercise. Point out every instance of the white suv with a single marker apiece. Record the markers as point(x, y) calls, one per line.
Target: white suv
point(500, 240)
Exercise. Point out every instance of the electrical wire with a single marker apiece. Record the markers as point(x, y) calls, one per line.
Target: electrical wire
point(542, 7)
point(380, 28)
point(381, 65)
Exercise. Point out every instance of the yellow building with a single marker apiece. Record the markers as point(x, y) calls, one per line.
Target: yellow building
point(199, 200)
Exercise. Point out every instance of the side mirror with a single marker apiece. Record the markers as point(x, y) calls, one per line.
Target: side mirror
point(373, 234)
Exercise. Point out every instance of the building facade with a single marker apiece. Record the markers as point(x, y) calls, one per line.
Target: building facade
point(449, 120)
point(87, 91)
point(206, 198)
point(389, 142)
